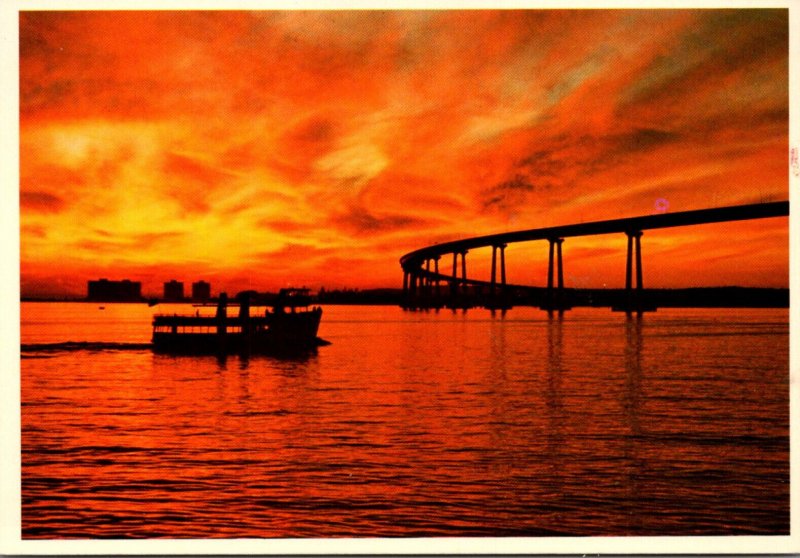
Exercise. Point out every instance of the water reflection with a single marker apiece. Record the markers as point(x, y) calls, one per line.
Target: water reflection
point(633, 370)
point(556, 427)
point(631, 405)
point(554, 370)
point(498, 348)
point(243, 361)
point(244, 381)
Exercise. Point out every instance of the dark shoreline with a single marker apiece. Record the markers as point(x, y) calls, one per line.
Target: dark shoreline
point(695, 297)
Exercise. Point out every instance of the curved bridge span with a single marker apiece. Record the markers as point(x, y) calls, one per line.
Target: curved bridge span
point(422, 278)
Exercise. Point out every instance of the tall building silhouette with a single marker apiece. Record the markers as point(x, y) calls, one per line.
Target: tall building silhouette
point(201, 291)
point(110, 291)
point(173, 290)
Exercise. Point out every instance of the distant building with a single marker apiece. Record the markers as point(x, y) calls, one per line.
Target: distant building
point(173, 290)
point(201, 291)
point(111, 291)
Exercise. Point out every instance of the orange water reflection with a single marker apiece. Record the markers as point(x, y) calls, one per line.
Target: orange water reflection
point(417, 424)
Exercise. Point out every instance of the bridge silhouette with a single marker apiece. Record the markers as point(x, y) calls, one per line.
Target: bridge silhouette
point(422, 280)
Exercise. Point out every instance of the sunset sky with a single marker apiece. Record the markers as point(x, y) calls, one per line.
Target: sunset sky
point(273, 148)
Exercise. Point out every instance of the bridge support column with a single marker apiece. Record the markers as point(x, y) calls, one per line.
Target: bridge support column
point(411, 284)
point(554, 298)
point(458, 287)
point(496, 301)
point(463, 303)
point(503, 267)
point(494, 272)
point(639, 285)
point(438, 289)
point(427, 280)
point(628, 261)
point(560, 241)
point(404, 299)
point(419, 289)
point(634, 299)
point(414, 287)
point(550, 269)
point(454, 280)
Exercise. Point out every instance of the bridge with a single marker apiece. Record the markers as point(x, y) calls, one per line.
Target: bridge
point(422, 279)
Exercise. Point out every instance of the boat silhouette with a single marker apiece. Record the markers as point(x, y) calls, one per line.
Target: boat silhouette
point(290, 325)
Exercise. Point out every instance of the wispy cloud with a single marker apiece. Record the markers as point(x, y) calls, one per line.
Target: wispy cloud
point(40, 202)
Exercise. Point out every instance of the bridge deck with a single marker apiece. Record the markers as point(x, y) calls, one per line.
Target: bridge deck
point(414, 259)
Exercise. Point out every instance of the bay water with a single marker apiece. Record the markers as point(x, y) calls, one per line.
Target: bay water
point(410, 424)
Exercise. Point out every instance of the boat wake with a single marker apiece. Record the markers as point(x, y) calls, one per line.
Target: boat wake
point(45, 350)
point(71, 346)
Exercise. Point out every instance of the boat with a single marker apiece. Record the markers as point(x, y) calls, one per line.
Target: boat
point(290, 325)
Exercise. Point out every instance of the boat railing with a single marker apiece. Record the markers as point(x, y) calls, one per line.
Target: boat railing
point(176, 319)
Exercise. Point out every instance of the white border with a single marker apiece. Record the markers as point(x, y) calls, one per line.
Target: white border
point(10, 498)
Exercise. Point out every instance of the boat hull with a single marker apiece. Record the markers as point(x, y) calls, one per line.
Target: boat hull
point(209, 344)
